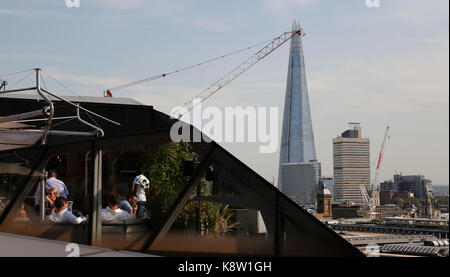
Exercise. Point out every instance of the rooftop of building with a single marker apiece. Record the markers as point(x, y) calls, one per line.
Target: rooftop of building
point(75, 99)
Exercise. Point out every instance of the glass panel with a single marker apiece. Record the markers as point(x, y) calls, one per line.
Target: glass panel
point(209, 223)
point(71, 170)
point(213, 228)
point(163, 165)
point(14, 170)
point(219, 219)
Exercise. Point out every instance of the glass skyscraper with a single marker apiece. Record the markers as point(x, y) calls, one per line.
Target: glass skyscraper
point(297, 139)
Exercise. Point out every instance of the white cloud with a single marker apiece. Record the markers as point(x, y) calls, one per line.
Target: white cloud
point(283, 6)
point(170, 10)
point(14, 56)
point(83, 79)
point(149, 7)
point(209, 24)
point(12, 12)
point(388, 84)
point(123, 5)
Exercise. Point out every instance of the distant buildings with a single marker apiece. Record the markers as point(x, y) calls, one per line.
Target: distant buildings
point(388, 210)
point(405, 186)
point(351, 165)
point(387, 197)
point(416, 184)
point(440, 190)
point(299, 172)
point(345, 210)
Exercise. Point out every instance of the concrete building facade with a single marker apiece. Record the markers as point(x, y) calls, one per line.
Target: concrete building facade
point(351, 165)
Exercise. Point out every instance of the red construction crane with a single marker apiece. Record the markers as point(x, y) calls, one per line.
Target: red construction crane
point(369, 200)
point(236, 72)
point(380, 158)
point(226, 79)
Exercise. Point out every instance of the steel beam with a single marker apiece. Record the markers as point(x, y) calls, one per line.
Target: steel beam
point(55, 132)
point(81, 108)
point(16, 117)
point(95, 234)
point(24, 190)
point(17, 90)
point(50, 104)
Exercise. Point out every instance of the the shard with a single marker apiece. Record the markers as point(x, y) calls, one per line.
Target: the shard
point(298, 168)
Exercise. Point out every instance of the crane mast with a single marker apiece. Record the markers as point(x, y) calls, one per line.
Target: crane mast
point(369, 200)
point(236, 72)
point(380, 158)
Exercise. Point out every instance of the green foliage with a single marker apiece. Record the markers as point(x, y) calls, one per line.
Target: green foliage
point(215, 219)
point(406, 203)
point(441, 200)
point(165, 169)
point(165, 172)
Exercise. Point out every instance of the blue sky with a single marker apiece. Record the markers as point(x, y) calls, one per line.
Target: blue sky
point(377, 66)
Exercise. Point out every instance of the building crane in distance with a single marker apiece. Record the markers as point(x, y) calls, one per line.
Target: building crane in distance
point(380, 158)
point(369, 199)
point(236, 72)
point(270, 46)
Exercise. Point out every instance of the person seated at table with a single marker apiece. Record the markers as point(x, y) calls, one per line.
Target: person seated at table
point(112, 213)
point(62, 215)
point(50, 198)
point(129, 205)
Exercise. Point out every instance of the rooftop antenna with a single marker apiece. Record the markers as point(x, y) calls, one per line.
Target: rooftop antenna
point(353, 125)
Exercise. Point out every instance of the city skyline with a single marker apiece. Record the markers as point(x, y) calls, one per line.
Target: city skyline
point(378, 66)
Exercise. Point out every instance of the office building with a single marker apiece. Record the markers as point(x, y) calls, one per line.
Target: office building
point(351, 165)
